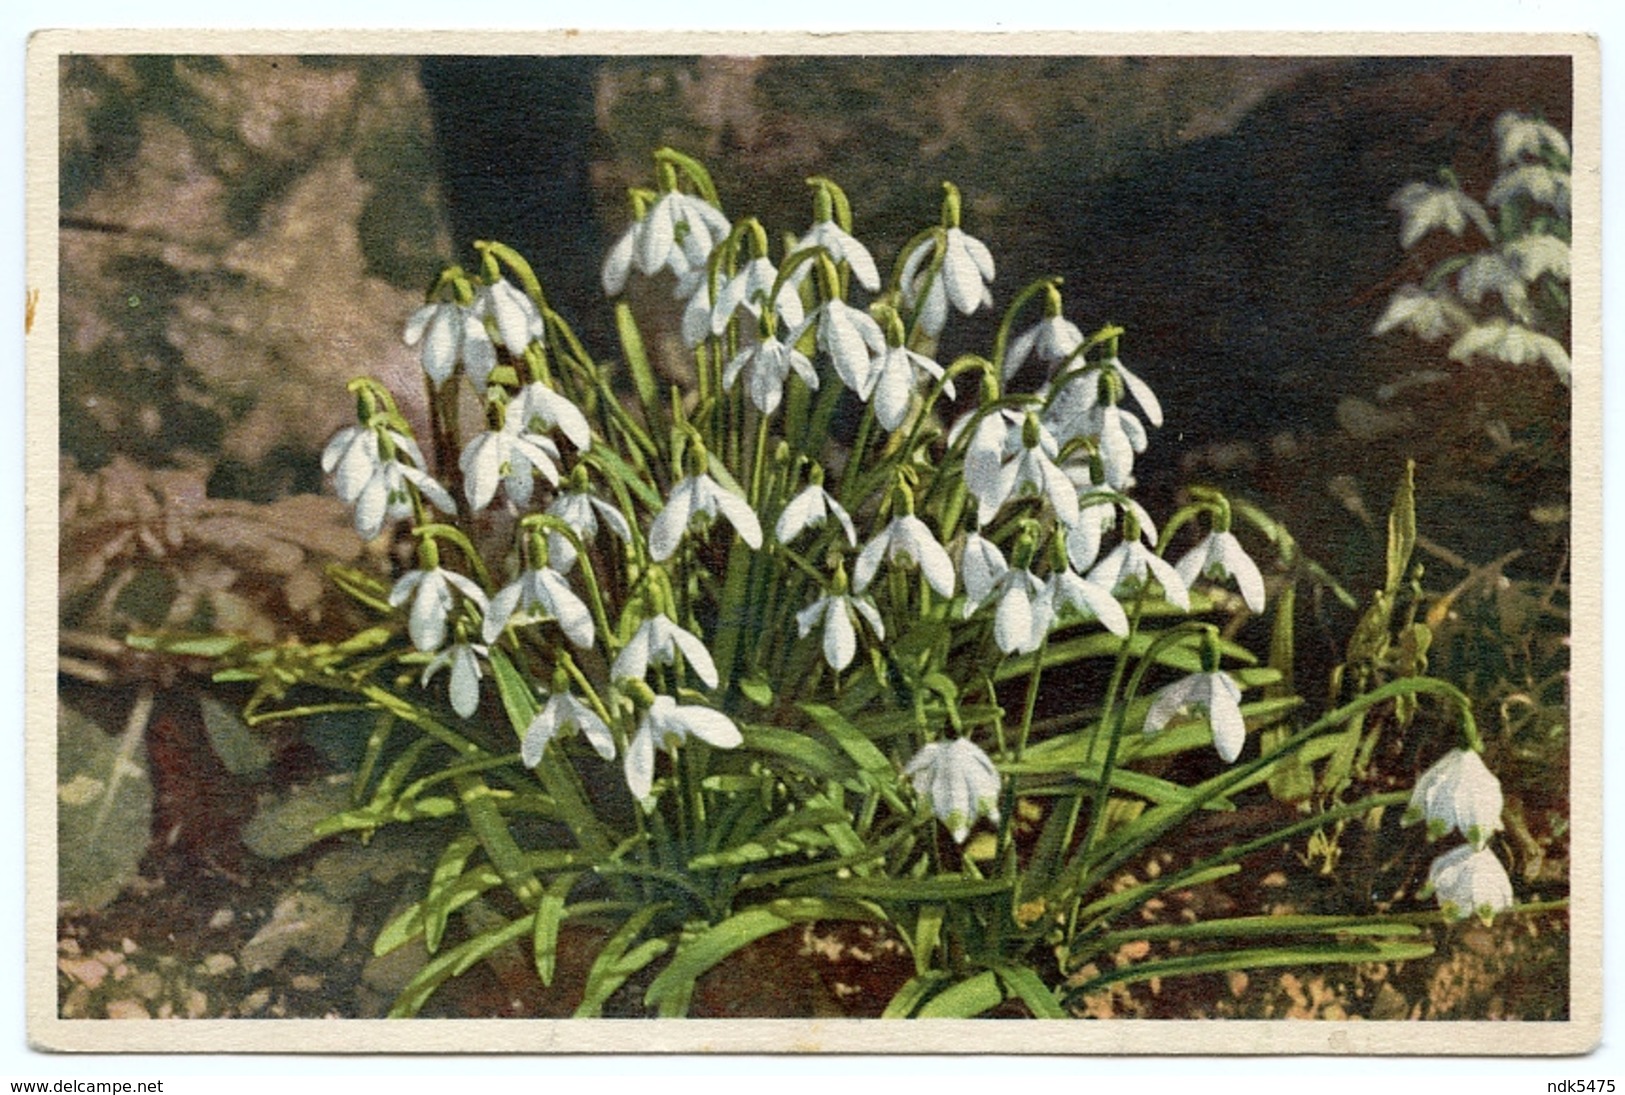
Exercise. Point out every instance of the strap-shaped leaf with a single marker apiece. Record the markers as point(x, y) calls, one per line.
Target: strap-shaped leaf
point(1022, 983)
point(965, 999)
point(450, 963)
point(549, 915)
point(1305, 954)
point(615, 963)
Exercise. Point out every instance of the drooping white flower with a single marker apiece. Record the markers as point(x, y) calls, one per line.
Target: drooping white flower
point(506, 457)
point(517, 320)
point(1128, 565)
point(700, 496)
point(853, 340)
point(1052, 339)
point(768, 363)
point(538, 408)
point(1029, 469)
point(994, 440)
point(450, 333)
point(581, 509)
point(1512, 343)
point(809, 509)
point(959, 781)
point(908, 537)
point(1491, 272)
point(666, 724)
point(967, 267)
point(1458, 792)
point(1426, 315)
point(384, 496)
point(1425, 207)
point(561, 712)
point(1074, 409)
point(658, 641)
point(652, 243)
point(1097, 515)
point(1537, 182)
point(464, 659)
point(748, 288)
point(842, 247)
point(1120, 436)
point(898, 372)
point(838, 613)
point(431, 592)
point(354, 456)
point(1067, 592)
point(1537, 255)
point(1524, 138)
point(1215, 695)
point(540, 593)
point(1468, 881)
point(1220, 556)
point(1023, 615)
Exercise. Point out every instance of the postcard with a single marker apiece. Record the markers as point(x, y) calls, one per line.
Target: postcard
point(771, 534)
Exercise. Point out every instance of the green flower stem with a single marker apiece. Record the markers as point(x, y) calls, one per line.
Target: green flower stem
point(458, 537)
point(1031, 702)
point(849, 474)
point(1116, 714)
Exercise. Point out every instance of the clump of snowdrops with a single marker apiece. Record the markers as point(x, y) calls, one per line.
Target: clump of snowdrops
point(693, 661)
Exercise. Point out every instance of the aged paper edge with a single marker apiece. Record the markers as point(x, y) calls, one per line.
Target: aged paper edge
point(1580, 1034)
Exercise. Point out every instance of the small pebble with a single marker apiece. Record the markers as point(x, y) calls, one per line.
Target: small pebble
point(127, 1009)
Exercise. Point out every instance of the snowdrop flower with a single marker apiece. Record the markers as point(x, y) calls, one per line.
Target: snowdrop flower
point(666, 724)
point(809, 509)
point(748, 288)
point(1029, 470)
point(563, 711)
point(651, 243)
point(1068, 592)
point(1097, 515)
point(981, 565)
point(1128, 566)
point(1425, 207)
point(540, 593)
point(376, 486)
point(581, 509)
point(838, 613)
point(1470, 880)
point(959, 781)
point(897, 372)
point(658, 641)
point(700, 496)
point(506, 457)
point(464, 659)
point(1073, 410)
point(1539, 254)
point(852, 339)
point(451, 333)
point(1053, 339)
point(433, 600)
point(842, 247)
point(1513, 344)
point(960, 280)
point(385, 497)
point(1522, 137)
point(517, 320)
point(769, 363)
point(1220, 556)
point(1459, 792)
point(509, 455)
point(1120, 436)
point(1428, 316)
point(1215, 695)
point(1537, 182)
point(906, 536)
point(1023, 616)
point(537, 408)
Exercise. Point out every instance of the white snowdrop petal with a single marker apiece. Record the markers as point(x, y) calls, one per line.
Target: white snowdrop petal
point(640, 762)
point(840, 639)
point(465, 682)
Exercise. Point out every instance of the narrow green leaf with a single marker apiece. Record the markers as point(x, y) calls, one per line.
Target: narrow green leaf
point(615, 963)
point(1308, 954)
point(700, 953)
point(927, 936)
point(1024, 984)
point(447, 872)
point(853, 742)
point(950, 888)
point(965, 999)
point(637, 361)
point(549, 915)
point(448, 964)
point(798, 749)
point(908, 998)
